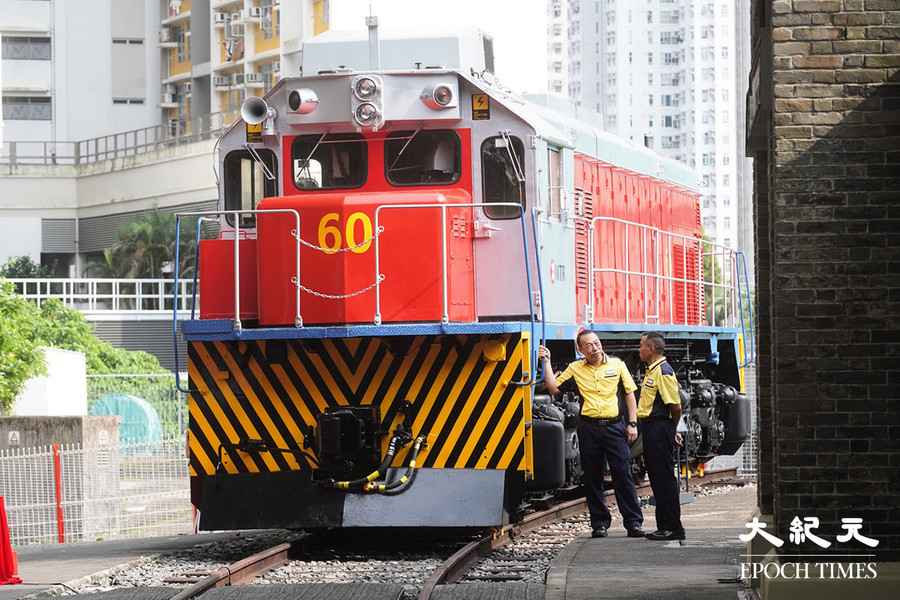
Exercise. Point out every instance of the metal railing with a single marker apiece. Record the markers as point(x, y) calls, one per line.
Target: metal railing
point(111, 295)
point(117, 145)
point(62, 494)
point(656, 269)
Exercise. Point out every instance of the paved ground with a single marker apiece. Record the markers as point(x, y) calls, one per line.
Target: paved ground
point(43, 565)
point(704, 568)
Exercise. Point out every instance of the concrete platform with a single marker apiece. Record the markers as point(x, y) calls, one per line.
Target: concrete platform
point(705, 567)
point(41, 566)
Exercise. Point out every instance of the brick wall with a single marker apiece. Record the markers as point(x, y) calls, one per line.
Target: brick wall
point(834, 269)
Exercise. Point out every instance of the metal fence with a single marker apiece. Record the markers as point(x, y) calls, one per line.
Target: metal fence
point(65, 494)
point(159, 412)
point(176, 132)
point(118, 295)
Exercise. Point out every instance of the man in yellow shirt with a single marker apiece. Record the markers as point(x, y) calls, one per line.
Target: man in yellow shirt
point(602, 436)
point(658, 414)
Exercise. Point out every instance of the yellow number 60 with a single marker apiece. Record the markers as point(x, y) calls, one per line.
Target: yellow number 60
point(330, 236)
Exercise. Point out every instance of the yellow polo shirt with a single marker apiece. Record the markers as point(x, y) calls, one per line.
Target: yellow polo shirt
point(659, 387)
point(598, 385)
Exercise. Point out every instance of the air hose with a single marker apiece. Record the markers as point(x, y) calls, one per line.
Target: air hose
point(374, 475)
point(405, 481)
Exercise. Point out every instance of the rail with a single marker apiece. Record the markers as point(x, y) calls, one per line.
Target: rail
point(452, 569)
point(445, 310)
point(97, 295)
point(123, 144)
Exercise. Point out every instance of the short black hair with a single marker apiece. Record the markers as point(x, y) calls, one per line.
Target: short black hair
point(581, 334)
point(656, 341)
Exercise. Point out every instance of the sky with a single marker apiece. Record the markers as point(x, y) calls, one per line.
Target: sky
point(517, 26)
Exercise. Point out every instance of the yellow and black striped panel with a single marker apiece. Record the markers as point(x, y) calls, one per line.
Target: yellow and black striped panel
point(461, 390)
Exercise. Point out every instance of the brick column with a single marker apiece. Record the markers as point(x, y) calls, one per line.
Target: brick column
point(835, 264)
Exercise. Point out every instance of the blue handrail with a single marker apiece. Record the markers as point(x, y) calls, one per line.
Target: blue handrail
point(752, 337)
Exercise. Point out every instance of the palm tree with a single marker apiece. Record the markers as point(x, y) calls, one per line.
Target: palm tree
point(145, 245)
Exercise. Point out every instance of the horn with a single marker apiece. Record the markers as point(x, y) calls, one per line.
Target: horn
point(254, 110)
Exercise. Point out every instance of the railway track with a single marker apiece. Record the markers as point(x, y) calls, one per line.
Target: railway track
point(473, 563)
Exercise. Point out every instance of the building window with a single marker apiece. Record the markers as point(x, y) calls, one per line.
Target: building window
point(724, 51)
point(27, 108)
point(649, 16)
point(26, 48)
point(649, 58)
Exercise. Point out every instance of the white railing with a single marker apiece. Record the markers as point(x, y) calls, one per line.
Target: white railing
point(109, 295)
point(69, 493)
point(647, 253)
point(295, 234)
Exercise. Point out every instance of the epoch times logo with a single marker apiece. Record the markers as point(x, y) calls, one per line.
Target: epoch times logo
point(808, 567)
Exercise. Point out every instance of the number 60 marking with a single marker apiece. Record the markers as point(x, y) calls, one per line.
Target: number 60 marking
point(330, 235)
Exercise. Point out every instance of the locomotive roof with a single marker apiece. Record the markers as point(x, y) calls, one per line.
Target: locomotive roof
point(557, 120)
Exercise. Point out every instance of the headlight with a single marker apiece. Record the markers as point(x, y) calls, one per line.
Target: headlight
point(367, 114)
point(438, 97)
point(303, 101)
point(365, 88)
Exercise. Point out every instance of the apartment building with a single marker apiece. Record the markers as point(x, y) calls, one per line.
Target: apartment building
point(216, 53)
point(662, 73)
point(73, 70)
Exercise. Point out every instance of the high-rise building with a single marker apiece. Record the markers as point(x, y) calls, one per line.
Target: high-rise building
point(661, 73)
point(73, 70)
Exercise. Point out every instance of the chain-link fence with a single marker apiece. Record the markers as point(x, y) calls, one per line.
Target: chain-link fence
point(63, 494)
point(149, 406)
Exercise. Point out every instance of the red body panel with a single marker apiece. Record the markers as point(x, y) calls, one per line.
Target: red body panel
point(610, 191)
point(409, 249)
point(217, 279)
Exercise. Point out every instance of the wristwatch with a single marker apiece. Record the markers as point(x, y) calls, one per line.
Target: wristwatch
point(632, 423)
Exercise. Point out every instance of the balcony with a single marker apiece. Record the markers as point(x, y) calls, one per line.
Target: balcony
point(167, 38)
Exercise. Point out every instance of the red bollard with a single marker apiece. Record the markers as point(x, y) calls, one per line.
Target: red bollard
point(8, 564)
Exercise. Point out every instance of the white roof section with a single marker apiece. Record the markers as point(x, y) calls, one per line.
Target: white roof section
point(401, 49)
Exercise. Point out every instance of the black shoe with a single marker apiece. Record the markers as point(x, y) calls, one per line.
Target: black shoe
point(599, 532)
point(637, 532)
point(665, 536)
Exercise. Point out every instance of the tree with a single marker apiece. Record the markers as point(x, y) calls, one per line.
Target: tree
point(23, 267)
point(25, 328)
point(145, 245)
point(20, 358)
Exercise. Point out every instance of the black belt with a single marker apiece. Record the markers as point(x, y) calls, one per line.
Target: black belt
point(596, 421)
point(657, 418)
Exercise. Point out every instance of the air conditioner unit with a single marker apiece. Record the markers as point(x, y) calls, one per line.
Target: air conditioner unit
point(254, 80)
point(168, 98)
point(170, 88)
point(220, 18)
point(222, 81)
point(276, 67)
point(254, 12)
point(186, 88)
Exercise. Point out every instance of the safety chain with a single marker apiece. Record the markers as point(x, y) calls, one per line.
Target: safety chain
point(337, 296)
point(362, 244)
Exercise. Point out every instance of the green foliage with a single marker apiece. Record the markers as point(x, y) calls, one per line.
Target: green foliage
point(24, 328)
point(22, 267)
point(20, 358)
point(144, 246)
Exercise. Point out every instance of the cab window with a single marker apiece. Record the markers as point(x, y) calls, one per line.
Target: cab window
point(422, 157)
point(246, 181)
point(329, 161)
point(502, 168)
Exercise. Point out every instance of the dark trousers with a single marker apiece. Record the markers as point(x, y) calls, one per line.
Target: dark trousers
point(659, 443)
point(602, 444)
